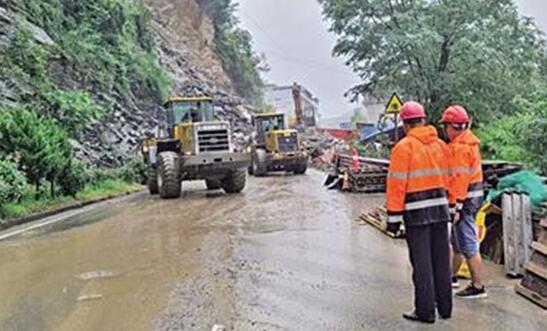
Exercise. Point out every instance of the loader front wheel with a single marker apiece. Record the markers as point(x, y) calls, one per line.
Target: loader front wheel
point(300, 168)
point(169, 184)
point(152, 180)
point(235, 181)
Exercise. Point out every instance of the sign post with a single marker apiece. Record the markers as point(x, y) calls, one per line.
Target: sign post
point(394, 107)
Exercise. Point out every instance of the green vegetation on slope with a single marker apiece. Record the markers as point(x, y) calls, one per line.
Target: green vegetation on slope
point(234, 45)
point(98, 47)
point(106, 44)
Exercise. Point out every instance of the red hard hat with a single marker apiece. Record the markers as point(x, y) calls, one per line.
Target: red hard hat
point(455, 114)
point(412, 110)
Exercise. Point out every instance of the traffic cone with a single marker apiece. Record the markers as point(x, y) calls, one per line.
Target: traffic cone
point(355, 164)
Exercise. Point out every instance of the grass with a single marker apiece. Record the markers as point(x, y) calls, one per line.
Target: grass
point(107, 189)
point(29, 205)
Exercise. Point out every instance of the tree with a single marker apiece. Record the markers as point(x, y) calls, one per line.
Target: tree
point(520, 137)
point(42, 148)
point(477, 53)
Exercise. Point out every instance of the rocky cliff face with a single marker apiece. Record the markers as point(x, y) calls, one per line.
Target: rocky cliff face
point(183, 37)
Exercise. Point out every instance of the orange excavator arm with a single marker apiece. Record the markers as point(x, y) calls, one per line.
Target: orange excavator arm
point(297, 97)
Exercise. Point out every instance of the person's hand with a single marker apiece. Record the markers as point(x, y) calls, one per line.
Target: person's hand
point(394, 223)
point(393, 227)
point(457, 213)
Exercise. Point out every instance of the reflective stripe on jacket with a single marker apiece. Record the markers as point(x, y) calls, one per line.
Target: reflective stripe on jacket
point(467, 180)
point(417, 184)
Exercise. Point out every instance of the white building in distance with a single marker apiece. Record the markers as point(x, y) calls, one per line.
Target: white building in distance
point(281, 98)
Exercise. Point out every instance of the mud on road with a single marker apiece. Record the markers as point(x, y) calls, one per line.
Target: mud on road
point(285, 255)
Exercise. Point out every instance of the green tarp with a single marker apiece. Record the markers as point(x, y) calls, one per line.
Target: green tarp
point(522, 181)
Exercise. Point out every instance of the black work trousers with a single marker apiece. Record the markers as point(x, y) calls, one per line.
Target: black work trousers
point(429, 254)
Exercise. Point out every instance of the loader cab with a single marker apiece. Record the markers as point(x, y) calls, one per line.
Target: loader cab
point(189, 110)
point(268, 122)
point(273, 135)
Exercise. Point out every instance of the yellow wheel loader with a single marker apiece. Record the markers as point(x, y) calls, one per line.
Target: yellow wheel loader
point(194, 147)
point(276, 148)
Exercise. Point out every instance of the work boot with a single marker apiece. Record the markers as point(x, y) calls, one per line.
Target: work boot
point(445, 317)
point(455, 283)
point(471, 292)
point(412, 316)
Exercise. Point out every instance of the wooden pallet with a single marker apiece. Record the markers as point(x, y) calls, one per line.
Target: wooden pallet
point(531, 295)
point(378, 219)
point(534, 283)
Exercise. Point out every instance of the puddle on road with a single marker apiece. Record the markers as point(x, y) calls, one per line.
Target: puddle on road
point(74, 219)
point(114, 273)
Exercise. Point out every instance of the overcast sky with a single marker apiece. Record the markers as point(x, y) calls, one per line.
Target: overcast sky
point(298, 46)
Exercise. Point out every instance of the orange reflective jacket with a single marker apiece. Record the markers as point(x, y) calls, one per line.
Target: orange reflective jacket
point(467, 181)
point(418, 179)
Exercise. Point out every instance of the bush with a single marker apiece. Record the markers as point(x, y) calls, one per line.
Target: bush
point(532, 127)
point(500, 139)
point(72, 110)
point(42, 147)
point(521, 137)
point(104, 174)
point(12, 181)
point(134, 171)
point(74, 178)
point(26, 57)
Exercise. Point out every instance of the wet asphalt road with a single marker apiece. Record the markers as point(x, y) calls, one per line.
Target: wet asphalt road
point(285, 255)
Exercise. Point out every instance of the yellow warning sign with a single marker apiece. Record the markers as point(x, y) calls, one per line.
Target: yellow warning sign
point(394, 105)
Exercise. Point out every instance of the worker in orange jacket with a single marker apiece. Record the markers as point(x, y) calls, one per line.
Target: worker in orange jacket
point(417, 194)
point(467, 191)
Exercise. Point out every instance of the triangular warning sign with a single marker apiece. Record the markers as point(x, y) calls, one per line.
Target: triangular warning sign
point(394, 105)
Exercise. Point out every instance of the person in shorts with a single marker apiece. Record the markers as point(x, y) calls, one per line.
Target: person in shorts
point(466, 189)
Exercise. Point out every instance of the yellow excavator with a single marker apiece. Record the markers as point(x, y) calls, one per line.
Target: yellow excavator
point(276, 148)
